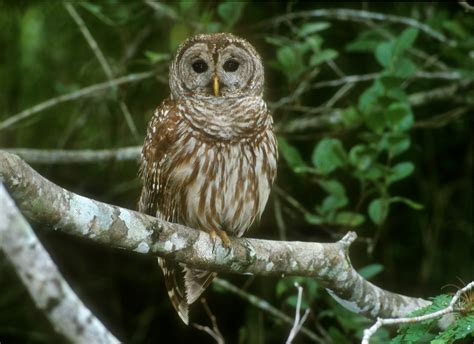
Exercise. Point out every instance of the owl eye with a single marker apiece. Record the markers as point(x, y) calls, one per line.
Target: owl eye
point(231, 65)
point(200, 66)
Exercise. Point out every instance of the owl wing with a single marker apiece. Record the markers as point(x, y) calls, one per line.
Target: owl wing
point(155, 200)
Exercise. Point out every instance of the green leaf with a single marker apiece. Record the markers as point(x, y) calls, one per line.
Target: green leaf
point(328, 155)
point(351, 117)
point(313, 219)
point(366, 41)
point(461, 328)
point(276, 41)
point(286, 56)
point(337, 197)
point(396, 143)
point(314, 42)
point(370, 96)
point(370, 271)
point(406, 40)
point(349, 218)
point(399, 116)
point(387, 53)
point(418, 332)
point(384, 53)
point(378, 210)
point(404, 68)
point(400, 171)
point(361, 156)
point(412, 204)
point(310, 28)
point(291, 155)
point(332, 187)
point(154, 57)
point(322, 56)
point(230, 11)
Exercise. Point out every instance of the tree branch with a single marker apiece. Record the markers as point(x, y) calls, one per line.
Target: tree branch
point(74, 95)
point(48, 289)
point(364, 16)
point(44, 202)
point(61, 156)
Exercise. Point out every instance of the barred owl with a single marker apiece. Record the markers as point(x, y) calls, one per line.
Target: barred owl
point(209, 157)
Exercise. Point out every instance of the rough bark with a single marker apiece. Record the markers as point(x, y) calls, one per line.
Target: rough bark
point(44, 202)
point(48, 289)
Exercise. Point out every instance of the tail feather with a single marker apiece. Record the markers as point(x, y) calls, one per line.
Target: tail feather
point(174, 282)
point(196, 281)
point(184, 285)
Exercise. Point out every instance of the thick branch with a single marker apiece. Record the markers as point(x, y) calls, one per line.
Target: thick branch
point(44, 202)
point(48, 289)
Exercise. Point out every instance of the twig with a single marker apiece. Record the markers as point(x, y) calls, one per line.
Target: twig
point(395, 321)
point(214, 332)
point(359, 15)
point(45, 284)
point(303, 86)
point(298, 323)
point(441, 120)
point(338, 95)
point(59, 156)
point(467, 7)
point(334, 116)
point(102, 60)
point(75, 95)
point(264, 306)
point(421, 98)
point(90, 39)
point(170, 13)
point(372, 76)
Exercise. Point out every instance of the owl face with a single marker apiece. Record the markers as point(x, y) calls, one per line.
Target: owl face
point(216, 65)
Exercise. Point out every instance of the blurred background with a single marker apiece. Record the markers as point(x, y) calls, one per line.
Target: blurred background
point(373, 105)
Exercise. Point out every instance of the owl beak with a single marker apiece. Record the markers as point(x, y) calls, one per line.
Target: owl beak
point(215, 85)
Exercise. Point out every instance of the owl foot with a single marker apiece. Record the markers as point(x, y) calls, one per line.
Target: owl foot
point(222, 235)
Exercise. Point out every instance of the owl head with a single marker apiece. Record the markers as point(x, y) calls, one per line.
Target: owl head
point(216, 65)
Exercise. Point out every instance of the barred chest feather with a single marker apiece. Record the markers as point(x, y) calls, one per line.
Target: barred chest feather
point(220, 171)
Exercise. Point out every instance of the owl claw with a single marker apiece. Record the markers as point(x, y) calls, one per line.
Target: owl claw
point(222, 235)
point(225, 239)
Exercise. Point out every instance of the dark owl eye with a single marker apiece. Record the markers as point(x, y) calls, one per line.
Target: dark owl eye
point(231, 65)
point(200, 66)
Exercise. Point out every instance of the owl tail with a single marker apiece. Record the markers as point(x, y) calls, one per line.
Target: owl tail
point(196, 281)
point(184, 286)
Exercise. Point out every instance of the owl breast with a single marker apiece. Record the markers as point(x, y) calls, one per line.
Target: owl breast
point(222, 184)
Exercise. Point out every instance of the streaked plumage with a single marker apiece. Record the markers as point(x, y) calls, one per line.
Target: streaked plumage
point(209, 157)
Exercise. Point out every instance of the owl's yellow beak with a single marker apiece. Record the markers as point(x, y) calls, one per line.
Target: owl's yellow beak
point(215, 85)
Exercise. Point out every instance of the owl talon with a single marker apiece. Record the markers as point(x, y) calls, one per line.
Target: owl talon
point(213, 234)
point(224, 237)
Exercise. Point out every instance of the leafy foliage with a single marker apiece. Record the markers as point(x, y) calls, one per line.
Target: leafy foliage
point(425, 331)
